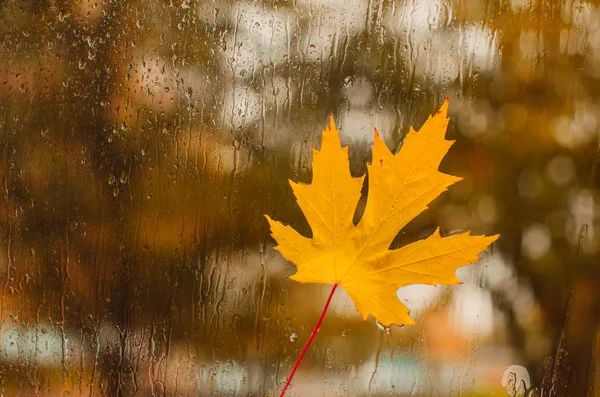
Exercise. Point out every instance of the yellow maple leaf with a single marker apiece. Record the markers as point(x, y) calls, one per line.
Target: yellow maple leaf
point(357, 257)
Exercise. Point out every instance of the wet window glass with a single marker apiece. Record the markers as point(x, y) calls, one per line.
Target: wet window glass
point(142, 142)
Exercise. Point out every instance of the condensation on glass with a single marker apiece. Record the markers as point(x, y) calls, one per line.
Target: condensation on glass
point(142, 141)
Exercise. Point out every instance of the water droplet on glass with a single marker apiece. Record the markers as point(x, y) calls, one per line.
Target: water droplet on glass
point(111, 179)
point(382, 327)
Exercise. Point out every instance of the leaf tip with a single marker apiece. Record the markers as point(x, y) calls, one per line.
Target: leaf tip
point(443, 111)
point(331, 125)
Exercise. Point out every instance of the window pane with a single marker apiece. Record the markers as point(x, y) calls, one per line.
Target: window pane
point(142, 142)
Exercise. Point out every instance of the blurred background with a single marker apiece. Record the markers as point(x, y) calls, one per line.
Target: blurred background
point(142, 141)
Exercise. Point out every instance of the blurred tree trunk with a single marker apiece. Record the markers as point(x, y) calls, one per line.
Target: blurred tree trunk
point(572, 372)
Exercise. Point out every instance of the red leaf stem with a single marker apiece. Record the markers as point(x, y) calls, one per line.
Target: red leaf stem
point(310, 339)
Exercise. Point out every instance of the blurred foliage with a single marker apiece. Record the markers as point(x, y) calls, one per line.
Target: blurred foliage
point(141, 142)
